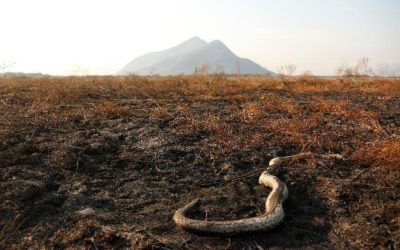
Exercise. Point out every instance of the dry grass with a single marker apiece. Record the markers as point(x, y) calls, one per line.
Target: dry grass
point(170, 134)
point(383, 154)
point(65, 102)
point(110, 110)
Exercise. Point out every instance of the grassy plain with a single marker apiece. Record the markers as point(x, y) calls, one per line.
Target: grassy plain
point(103, 162)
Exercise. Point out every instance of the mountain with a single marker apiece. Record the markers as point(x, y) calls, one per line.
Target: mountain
point(189, 55)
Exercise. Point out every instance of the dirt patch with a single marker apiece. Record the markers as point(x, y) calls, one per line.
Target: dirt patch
point(109, 172)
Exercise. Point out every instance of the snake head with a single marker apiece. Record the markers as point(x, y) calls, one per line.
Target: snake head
point(274, 161)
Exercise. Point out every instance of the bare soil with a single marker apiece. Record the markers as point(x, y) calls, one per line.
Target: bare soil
point(108, 169)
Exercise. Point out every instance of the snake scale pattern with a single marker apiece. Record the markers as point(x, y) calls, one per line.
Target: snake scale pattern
point(273, 215)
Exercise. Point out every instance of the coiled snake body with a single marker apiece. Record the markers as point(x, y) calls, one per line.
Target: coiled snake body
point(273, 215)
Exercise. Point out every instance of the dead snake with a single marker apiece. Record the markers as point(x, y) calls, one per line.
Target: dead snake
point(272, 217)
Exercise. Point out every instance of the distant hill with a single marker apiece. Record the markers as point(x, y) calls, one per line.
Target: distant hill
point(394, 70)
point(189, 55)
point(22, 75)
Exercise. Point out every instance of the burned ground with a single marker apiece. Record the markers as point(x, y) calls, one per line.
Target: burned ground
point(104, 162)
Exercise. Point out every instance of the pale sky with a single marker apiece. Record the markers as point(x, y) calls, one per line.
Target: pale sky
point(100, 37)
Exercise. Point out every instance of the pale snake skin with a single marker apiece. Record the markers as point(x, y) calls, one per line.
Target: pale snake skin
point(272, 217)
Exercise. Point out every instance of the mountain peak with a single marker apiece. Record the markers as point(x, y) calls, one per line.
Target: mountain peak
point(187, 56)
point(194, 41)
point(196, 38)
point(218, 45)
point(216, 42)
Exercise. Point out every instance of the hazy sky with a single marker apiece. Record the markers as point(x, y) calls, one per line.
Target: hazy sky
point(61, 36)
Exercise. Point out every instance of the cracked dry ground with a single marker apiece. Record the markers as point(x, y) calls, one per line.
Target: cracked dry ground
point(114, 170)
